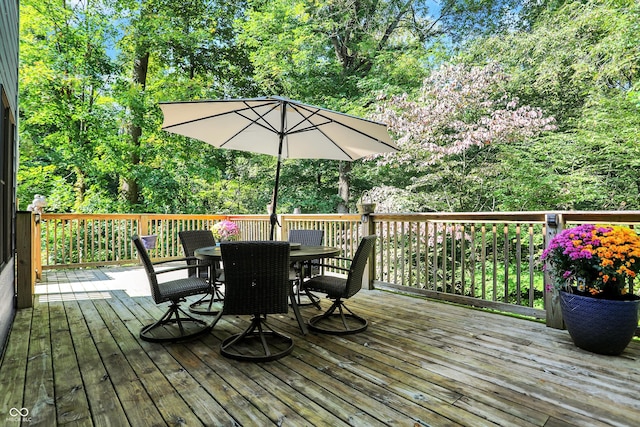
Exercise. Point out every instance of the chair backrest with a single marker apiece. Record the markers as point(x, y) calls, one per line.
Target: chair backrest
point(358, 264)
point(192, 240)
point(306, 237)
point(148, 267)
point(256, 277)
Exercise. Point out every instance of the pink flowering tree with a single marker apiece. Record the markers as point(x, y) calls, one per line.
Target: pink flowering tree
point(446, 133)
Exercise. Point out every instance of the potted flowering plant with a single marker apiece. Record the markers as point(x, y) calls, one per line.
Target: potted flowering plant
point(593, 267)
point(226, 230)
point(598, 261)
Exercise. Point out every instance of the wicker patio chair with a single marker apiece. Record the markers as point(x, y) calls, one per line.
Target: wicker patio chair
point(257, 284)
point(196, 239)
point(306, 269)
point(175, 324)
point(339, 289)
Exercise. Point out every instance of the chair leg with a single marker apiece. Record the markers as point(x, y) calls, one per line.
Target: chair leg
point(313, 299)
point(164, 329)
point(272, 345)
point(296, 312)
point(205, 305)
point(340, 323)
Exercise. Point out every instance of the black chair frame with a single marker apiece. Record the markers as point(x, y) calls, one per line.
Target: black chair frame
point(175, 292)
point(338, 289)
point(192, 240)
point(305, 269)
point(257, 283)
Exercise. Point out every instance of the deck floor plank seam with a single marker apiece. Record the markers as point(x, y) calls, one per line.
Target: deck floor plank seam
point(71, 400)
point(172, 408)
point(14, 367)
point(137, 405)
point(251, 414)
point(287, 391)
point(409, 384)
point(380, 389)
point(39, 394)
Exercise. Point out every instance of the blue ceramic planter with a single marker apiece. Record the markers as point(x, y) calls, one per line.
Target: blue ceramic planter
point(599, 325)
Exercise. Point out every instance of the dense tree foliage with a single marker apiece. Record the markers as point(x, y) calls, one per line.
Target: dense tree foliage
point(68, 123)
point(579, 62)
point(468, 87)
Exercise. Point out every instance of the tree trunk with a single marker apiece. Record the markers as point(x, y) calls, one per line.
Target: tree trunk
point(343, 186)
point(80, 186)
point(129, 185)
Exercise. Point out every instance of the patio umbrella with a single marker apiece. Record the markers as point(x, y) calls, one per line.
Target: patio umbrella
point(278, 126)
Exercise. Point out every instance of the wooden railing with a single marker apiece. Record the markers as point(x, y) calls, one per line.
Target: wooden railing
point(86, 240)
point(482, 259)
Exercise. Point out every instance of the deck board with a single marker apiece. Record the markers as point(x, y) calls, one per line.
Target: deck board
point(105, 407)
point(76, 359)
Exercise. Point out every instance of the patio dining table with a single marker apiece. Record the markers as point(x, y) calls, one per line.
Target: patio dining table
point(299, 253)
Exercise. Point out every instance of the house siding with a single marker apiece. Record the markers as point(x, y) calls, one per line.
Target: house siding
point(8, 160)
point(9, 50)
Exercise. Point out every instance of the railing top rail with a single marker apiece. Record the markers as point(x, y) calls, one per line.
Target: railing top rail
point(305, 217)
point(92, 216)
point(183, 216)
point(624, 217)
point(533, 217)
point(247, 216)
point(130, 216)
point(539, 217)
point(463, 216)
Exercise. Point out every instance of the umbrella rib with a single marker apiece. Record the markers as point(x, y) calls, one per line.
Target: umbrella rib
point(257, 121)
point(212, 116)
point(260, 118)
point(313, 126)
point(238, 112)
point(329, 120)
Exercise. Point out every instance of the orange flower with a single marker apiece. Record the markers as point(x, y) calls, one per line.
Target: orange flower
point(603, 257)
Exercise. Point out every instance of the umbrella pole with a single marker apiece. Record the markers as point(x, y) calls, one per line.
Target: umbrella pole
point(274, 201)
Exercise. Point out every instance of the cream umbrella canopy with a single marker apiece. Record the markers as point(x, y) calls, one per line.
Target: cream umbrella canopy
point(277, 126)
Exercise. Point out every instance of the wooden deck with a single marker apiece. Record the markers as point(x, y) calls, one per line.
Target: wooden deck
point(76, 359)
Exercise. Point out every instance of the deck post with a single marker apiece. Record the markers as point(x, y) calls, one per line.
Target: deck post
point(37, 246)
point(554, 224)
point(25, 255)
point(368, 228)
point(143, 225)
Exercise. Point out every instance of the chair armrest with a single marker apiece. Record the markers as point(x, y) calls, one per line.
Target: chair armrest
point(190, 258)
point(178, 268)
point(168, 270)
point(167, 261)
point(334, 267)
